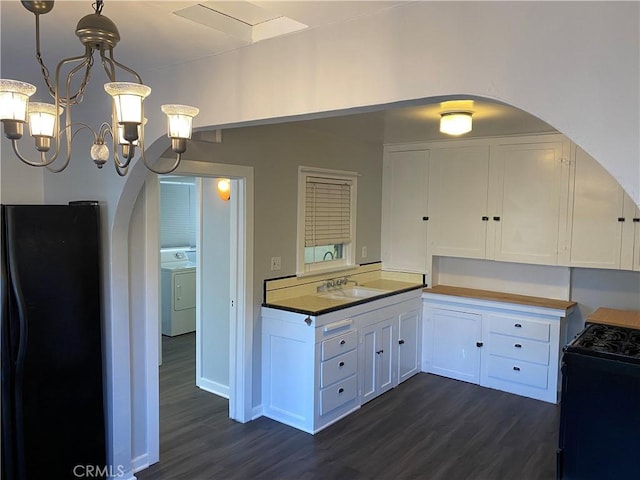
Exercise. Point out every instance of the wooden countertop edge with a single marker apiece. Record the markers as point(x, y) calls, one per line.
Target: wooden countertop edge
point(614, 316)
point(501, 297)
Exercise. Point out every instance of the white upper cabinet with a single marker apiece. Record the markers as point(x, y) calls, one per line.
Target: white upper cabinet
point(602, 227)
point(458, 186)
point(531, 199)
point(596, 232)
point(636, 228)
point(404, 210)
point(528, 195)
point(630, 250)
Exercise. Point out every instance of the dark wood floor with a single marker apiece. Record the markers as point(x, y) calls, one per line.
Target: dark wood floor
point(428, 428)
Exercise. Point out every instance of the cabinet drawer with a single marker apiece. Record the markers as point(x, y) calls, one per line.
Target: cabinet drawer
point(337, 395)
point(337, 345)
point(338, 368)
point(518, 371)
point(519, 327)
point(519, 348)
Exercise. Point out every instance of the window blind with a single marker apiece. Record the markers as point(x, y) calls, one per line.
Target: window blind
point(177, 215)
point(327, 211)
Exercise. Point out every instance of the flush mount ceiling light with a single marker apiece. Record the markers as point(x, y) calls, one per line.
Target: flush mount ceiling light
point(455, 123)
point(126, 129)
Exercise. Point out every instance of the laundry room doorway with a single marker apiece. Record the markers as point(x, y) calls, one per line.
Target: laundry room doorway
point(224, 294)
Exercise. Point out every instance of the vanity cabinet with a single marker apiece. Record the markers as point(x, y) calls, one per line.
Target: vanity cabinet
point(316, 369)
point(409, 343)
point(377, 353)
point(503, 344)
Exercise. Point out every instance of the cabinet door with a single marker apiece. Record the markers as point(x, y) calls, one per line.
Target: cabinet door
point(377, 353)
point(404, 204)
point(596, 233)
point(629, 248)
point(636, 229)
point(456, 343)
point(528, 185)
point(409, 342)
point(458, 185)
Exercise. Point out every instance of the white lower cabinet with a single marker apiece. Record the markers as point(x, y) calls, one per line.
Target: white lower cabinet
point(377, 352)
point(318, 369)
point(409, 344)
point(510, 347)
point(454, 337)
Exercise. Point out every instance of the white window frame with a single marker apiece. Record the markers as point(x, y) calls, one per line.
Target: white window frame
point(348, 259)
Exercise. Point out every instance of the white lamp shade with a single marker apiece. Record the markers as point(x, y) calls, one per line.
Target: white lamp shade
point(179, 120)
point(128, 98)
point(455, 123)
point(42, 119)
point(14, 96)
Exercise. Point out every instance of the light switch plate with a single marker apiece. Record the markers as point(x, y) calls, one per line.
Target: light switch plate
point(276, 263)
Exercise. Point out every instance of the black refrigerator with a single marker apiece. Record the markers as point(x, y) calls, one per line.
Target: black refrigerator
point(53, 423)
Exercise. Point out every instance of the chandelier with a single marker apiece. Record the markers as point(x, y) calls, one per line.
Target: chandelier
point(99, 35)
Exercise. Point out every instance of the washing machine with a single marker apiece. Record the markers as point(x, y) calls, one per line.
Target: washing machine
point(178, 277)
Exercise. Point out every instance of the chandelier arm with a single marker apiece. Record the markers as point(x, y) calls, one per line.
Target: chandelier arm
point(77, 97)
point(43, 161)
point(86, 60)
point(108, 65)
point(128, 158)
point(68, 159)
point(67, 114)
point(163, 172)
point(122, 171)
point(123, 67)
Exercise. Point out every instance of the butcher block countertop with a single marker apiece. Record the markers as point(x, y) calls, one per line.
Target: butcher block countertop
point(501, 297)
point(613, 316)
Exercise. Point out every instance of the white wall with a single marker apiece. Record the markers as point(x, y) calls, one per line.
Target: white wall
point(216, 271)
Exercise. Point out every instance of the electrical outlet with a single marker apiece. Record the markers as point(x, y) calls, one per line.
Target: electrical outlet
point(364, 252)
point(276, 263)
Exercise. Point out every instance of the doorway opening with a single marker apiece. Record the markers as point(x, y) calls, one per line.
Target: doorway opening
point(223, 265)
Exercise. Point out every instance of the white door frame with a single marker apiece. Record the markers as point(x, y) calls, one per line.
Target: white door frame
point(241, 330)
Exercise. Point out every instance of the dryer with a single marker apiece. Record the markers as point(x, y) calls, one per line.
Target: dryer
point(178, 276)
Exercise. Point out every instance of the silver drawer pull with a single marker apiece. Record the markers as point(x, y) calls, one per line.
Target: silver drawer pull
point(340, 390)
point(517, 369)
point(341, 364)
point(517, 345)
point(338, 325)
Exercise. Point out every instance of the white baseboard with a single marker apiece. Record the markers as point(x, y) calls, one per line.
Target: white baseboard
point(256, 412)
point(140, 462)
point(213, 387)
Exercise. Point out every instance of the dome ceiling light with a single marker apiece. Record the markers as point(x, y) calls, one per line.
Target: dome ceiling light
point(456, 117)
point(100, 35)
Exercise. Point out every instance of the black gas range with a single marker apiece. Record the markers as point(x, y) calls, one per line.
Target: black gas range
point(600, 409)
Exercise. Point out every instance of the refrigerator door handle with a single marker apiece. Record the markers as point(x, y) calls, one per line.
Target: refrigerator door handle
point(18, 380)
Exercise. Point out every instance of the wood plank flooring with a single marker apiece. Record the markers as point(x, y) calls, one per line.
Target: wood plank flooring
point(429, 428)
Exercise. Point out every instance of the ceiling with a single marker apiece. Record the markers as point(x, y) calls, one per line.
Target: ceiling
point(204, 29)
